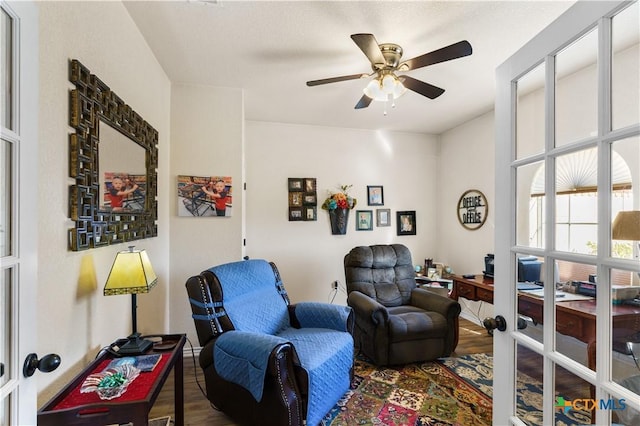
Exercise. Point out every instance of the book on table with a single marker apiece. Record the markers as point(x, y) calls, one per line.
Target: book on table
point(141, 362)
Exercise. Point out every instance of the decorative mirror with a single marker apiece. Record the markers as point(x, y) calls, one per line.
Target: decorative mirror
point(114, 196)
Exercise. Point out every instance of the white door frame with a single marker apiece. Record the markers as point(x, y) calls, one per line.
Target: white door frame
point(24, 261)
point(567, 28)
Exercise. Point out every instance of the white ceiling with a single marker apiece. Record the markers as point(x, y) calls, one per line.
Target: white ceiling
point(271, 48)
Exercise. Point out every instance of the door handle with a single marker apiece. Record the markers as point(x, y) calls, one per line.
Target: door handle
point(495, 323)
point(46, 364)
point(501, 324)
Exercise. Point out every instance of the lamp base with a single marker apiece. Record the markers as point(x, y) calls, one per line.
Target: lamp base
point(135, 345)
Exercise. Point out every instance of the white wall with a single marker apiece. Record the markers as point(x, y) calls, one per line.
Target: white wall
point(207, 140)
point(74, 318)
point(308, 256)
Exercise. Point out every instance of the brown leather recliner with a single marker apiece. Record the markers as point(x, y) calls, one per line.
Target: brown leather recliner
point(395, 322)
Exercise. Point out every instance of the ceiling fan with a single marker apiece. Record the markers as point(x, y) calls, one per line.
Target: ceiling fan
point(385, 62)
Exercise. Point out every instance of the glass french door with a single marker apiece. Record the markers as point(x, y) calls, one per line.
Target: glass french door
point(18, 208)
point(567, 170)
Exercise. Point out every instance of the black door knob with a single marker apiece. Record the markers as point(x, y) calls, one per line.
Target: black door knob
point(46, 364)
point(492, 323)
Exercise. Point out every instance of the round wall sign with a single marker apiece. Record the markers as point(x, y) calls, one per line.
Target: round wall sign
point(472, 209)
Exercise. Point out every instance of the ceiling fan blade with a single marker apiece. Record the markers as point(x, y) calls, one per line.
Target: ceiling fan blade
point(425, 89)
point(369, 46)
point(453, 51)
point(363, 102)
point(336, 79)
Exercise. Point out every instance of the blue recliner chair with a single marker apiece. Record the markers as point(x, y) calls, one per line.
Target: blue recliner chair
point(265, 361)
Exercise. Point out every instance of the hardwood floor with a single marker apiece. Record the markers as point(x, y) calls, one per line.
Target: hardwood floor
point(198, 411)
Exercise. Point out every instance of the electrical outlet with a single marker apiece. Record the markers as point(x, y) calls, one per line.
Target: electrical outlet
point(334, 285)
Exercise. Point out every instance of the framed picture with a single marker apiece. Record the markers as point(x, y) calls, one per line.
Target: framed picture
point(364, 220)
point(295, 199)
point(295, 184)
point(406, 222)
point(310, 199)
point(375, 196)
point(383, 217)
point(309, 184)
point(295, 213)
point(310, 213)
point(205, 196)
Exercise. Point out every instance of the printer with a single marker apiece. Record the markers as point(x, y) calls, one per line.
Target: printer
point(488, 266)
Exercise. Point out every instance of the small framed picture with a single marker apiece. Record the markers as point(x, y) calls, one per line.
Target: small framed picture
point(295, 213)
point(310, 213)
point(406, 222)
point(383, 217)
point(364, 220)
point(375, 196)
point(309, 184)
point(295, 184)
point(295, 199)
point(310, 199)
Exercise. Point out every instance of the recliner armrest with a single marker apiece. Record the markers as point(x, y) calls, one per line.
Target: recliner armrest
point(430, 301)
point(367, 307)
point(321, 315)
point(242, 357)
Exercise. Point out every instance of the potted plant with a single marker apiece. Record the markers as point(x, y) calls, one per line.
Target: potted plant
point(338, 205)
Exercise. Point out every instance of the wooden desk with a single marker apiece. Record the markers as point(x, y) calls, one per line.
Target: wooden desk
point(115, 410)
point(573, 318)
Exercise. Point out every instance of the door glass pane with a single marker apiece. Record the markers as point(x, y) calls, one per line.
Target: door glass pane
point(576, 202)
point(6, 76)
point(5, 198)
point(625, 163)
point(530, 113)
point(574, 399)
point(576, 115)
point(625, 84)
point(528, 271)
point(5, 410)
point(530, 205)
point(529, 367)
point(6, 324)
point(575, 309)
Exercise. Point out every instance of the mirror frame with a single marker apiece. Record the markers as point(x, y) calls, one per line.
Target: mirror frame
point(92, 102)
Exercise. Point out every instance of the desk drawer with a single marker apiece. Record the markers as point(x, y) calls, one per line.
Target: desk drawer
point(484, 294)
point(570, 325)
point(465, 290)
point(530, 309)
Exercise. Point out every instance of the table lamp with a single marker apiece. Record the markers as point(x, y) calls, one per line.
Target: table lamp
point(131, 273)
point(626, 226)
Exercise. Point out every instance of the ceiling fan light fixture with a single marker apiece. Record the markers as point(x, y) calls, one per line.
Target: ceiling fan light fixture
point(383, 88)
point(374, 90)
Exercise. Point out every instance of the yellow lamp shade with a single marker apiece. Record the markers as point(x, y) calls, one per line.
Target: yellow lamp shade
point(131, 273)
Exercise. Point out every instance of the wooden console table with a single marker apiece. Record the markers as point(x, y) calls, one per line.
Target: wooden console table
point(573, 318)
point(60, 410)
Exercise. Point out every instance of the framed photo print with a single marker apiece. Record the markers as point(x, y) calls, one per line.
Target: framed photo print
point(295, 213)
point(295, 199)
point(309, 184)
point(310, 199)
point(375, 196)
point(406, 222)
point(310, 213)
point(295, 184)
point(383, 217)
point(364, 220)
point(205, 196)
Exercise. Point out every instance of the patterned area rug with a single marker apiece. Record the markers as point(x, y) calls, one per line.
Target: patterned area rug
point(449, 391)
